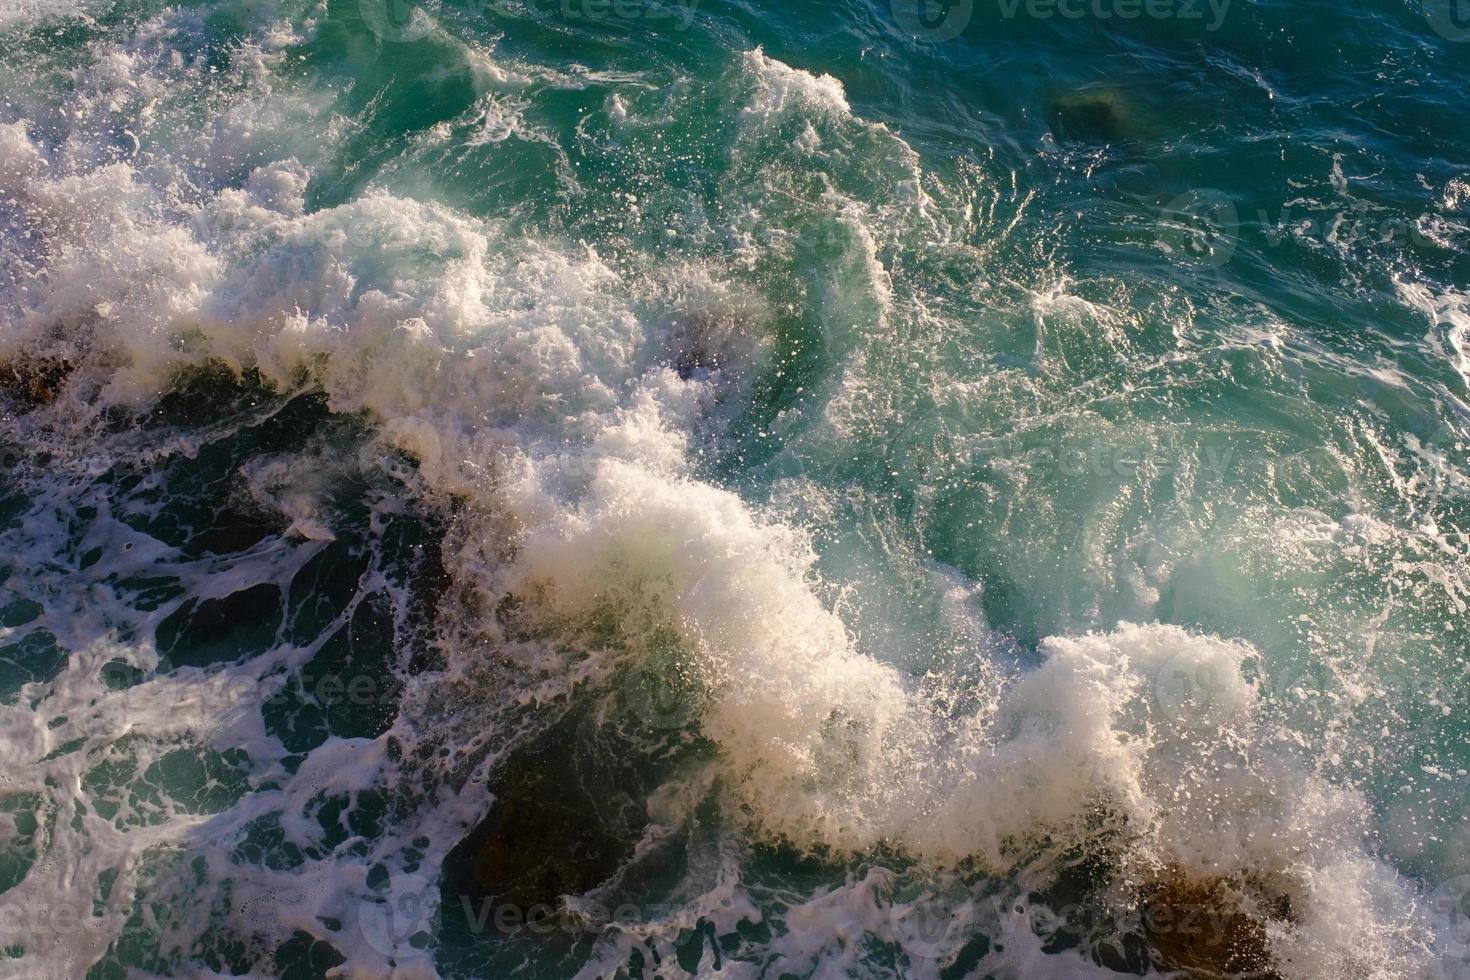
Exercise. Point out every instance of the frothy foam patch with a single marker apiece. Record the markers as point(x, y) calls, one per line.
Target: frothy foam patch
point(779, 86)
point(1448, 313)
point(1151, 728)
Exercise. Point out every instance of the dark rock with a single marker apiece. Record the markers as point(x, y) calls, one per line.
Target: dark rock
point(542, 840)
point(564, 821)
point(1090, 117)
point(1212, 926)
point(36, 381)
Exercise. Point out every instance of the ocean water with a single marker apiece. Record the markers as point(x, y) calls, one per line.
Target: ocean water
point(661, 488)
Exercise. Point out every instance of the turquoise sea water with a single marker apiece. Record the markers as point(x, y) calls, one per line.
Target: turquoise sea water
point(605, 488)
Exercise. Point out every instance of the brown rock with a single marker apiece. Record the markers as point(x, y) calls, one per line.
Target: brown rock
point(560, 825)
point(35, 381)
point(1212, 927)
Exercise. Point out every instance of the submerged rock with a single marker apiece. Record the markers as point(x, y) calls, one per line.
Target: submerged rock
point(1211, 927)
point(34, 381)
point(703, 341)
point(1096, 116)
point(561, 824)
